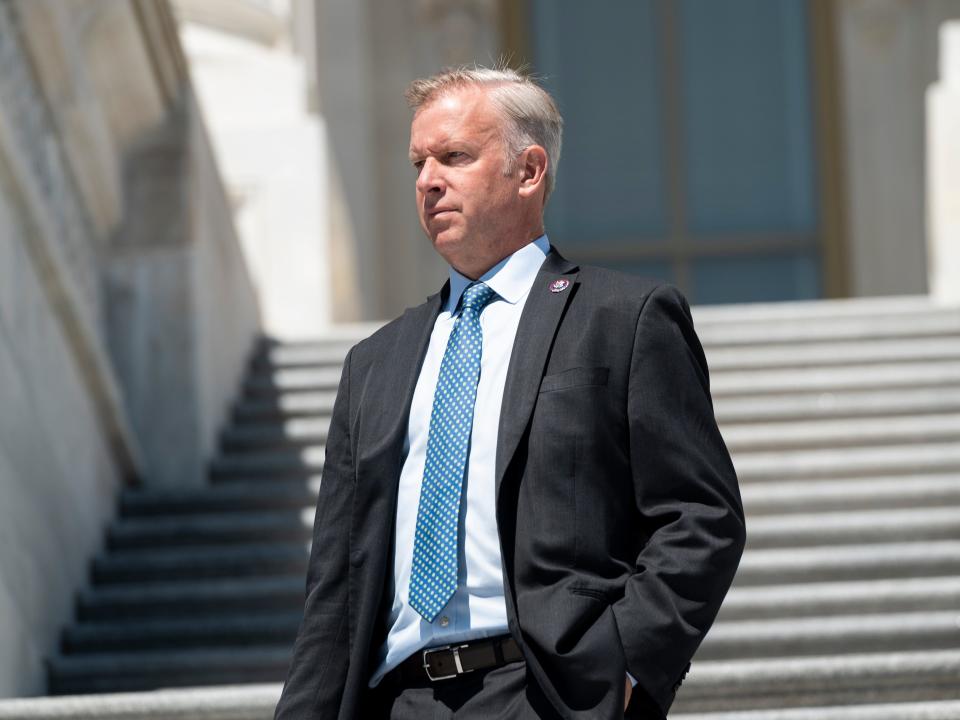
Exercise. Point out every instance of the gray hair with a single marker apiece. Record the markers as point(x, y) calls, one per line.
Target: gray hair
point(532, 113)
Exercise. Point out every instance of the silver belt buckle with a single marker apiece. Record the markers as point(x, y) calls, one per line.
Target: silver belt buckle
point(456, 661)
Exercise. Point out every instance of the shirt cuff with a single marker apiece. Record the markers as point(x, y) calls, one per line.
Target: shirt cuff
point(633, 680)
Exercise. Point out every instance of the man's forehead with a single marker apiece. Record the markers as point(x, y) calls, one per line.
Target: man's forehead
point(461, 114)
point(455, 99)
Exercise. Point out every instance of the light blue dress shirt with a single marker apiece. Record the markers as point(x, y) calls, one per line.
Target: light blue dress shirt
point(478, 607)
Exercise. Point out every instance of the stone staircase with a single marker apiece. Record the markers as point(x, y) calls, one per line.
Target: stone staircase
point(843, 419)
point(205, 586)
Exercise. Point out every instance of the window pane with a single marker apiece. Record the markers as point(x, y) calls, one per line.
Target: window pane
point(600, 60)
point(745, 90)
point(792, 276)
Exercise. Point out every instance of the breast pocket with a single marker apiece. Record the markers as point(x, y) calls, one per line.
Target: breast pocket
point(574, 377)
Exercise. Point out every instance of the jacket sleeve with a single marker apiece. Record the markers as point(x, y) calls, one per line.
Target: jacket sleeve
point(687, 498)
point(317, 672)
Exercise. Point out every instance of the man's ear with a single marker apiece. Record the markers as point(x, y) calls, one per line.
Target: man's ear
point(533, 165)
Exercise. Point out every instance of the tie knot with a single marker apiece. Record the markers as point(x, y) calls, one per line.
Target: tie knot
point(477, 295)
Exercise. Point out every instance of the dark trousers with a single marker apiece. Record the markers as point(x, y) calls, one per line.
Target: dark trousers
point(502, 693)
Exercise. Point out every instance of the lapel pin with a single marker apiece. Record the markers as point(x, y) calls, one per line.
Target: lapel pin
point(559, 285)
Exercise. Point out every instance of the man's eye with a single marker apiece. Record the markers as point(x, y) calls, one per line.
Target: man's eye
point(455, 155)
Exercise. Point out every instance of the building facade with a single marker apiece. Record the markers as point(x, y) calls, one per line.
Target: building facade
point(747, 150)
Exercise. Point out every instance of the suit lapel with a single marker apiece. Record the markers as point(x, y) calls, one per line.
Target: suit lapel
point(385, 403)
point(538, 326)
point(387, 399)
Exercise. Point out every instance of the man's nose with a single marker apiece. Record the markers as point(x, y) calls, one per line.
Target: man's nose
point(430, 177)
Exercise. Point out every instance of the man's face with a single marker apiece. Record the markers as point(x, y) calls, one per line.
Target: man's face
point(468, 205)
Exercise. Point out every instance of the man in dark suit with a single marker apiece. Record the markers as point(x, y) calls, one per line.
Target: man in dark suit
point(527, 509)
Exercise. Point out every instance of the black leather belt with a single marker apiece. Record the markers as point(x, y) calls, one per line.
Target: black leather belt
point(449, 661)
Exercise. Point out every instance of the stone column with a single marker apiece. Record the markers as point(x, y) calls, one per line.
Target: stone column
point(881, 45)
point(367, 53)
point(943, 170)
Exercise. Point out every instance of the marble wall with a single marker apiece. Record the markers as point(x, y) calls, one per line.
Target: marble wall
point(126, 308)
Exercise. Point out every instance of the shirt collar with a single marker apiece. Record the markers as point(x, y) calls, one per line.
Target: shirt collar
point(511, 278)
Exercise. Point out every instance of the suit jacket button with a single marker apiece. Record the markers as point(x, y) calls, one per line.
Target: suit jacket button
point(357, 557)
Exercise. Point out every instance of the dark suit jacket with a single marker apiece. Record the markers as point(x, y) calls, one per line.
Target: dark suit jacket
point(618, 509)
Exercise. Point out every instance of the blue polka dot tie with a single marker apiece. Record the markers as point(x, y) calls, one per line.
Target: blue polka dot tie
point(433, 577)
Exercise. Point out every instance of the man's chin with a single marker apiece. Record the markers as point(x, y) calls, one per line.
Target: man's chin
point(446, 239)
point(449, 246)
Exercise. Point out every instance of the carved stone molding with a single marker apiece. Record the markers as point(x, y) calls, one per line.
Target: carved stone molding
point(462, 28)
point(61, 243)
point(258, 21)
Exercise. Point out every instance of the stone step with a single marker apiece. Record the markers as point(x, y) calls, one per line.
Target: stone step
point(268, 465)
point(827, 309)
point(833, 354)
point(889, 375)
point(820, 680)
point(844, 597)
point(750, 437)
point(793, 406)
point(886, 317)
point(199, 598)
point(268, 385)
point(859, 633)
point(291, 405)
point(772, 531)
point(300, 434)
point(751, 466)
point(873, 561)
point(761, 355)
point(292, 434)
point(934, 710)
point(905, 309)
point(192, 563)
point(842, 330)
point(838, 404)
point(197, 530)
point(934, 458)
point(289, 455)
point(733, 409)
point(806, 496)
point(347, 333)
point(278, 630)
point(292, 356)
point(118, 672)
point(883, 376)
point(853, 527)
point(240, 497)
point(255, 701)
point(766, 638)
